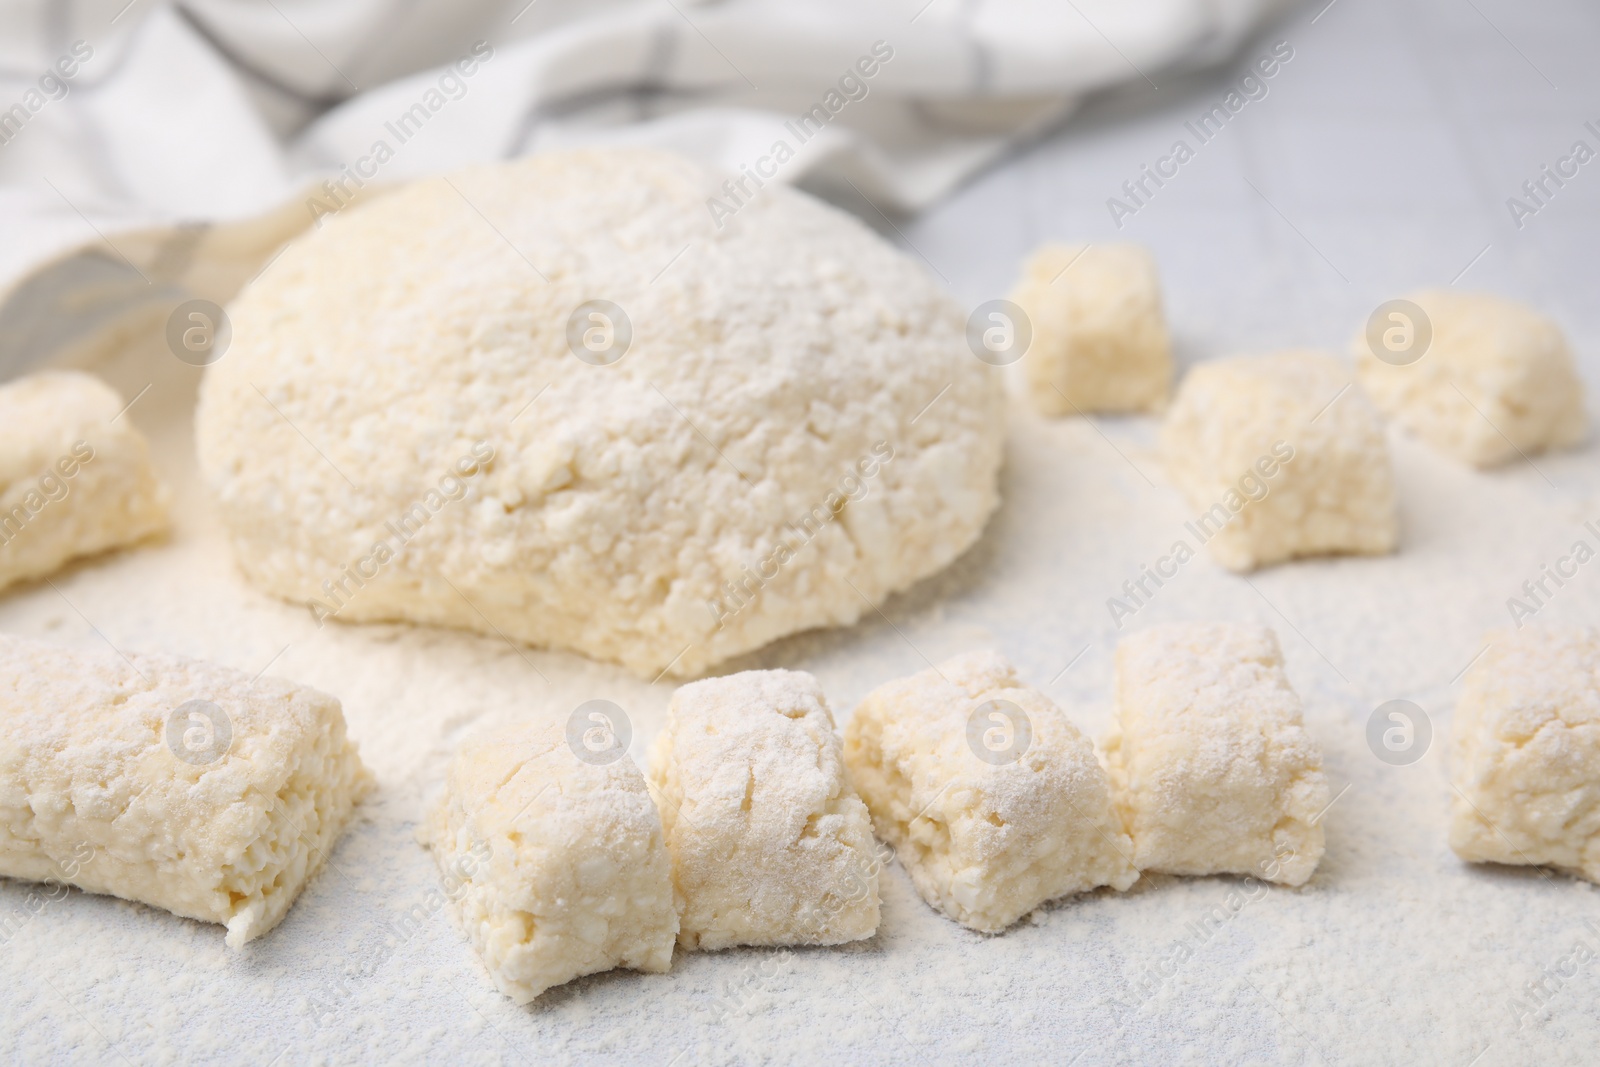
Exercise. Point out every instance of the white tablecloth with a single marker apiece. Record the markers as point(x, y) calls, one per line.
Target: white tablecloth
point(150, 152)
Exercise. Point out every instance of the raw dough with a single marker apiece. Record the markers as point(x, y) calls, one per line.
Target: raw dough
point(558, 863)
point(668, 510)
point(72, 482)
point(985, 840)
point(770, 844)
point(1497, 380)
point(1525, 752)
point(1099, 336)
point(169, 781)
point(1280, 456)
point(1212, 769)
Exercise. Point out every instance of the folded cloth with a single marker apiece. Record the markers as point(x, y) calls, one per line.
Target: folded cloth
point(153, 152)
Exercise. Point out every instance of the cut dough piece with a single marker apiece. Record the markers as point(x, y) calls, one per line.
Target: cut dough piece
point(1525, 752)
point(72, 482)
point(1280, 456)
point(994, 809)
point(189, 786)
point(789, 425)
point(1212, 768)
point(770, 844)
point(1497, 380)
point(1099, 336)
point(560, 865)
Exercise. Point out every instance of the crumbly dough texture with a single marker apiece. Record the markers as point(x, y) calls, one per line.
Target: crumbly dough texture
point(985, 844)
point(1212, 768)
point(770, 844)
point(1525, 752)
point(1100, 339)
point(72, 482)
point(1497, 381)
point(577, 878)
point(1227, 429)
point(86, 770)
point(767, 360)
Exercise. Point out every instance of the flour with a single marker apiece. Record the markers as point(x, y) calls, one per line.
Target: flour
point(1396, 951)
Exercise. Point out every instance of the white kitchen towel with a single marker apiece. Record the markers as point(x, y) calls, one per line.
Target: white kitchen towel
point(152, 152)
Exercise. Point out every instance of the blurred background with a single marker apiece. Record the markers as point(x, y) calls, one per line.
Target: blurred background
point(153, 150)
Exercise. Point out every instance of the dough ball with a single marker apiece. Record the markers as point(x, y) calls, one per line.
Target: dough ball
point(1525, 752)
point(1212, 768)
point(1280, 456)
point(770, 844)
point(993, 800)
point(1495, 382)
point(554, 866)
point(1099, 336)
point(72, 481)
point(403, 427)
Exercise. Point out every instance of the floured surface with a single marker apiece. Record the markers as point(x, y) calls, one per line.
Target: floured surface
point(1395, 952)
point(1392, 937)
